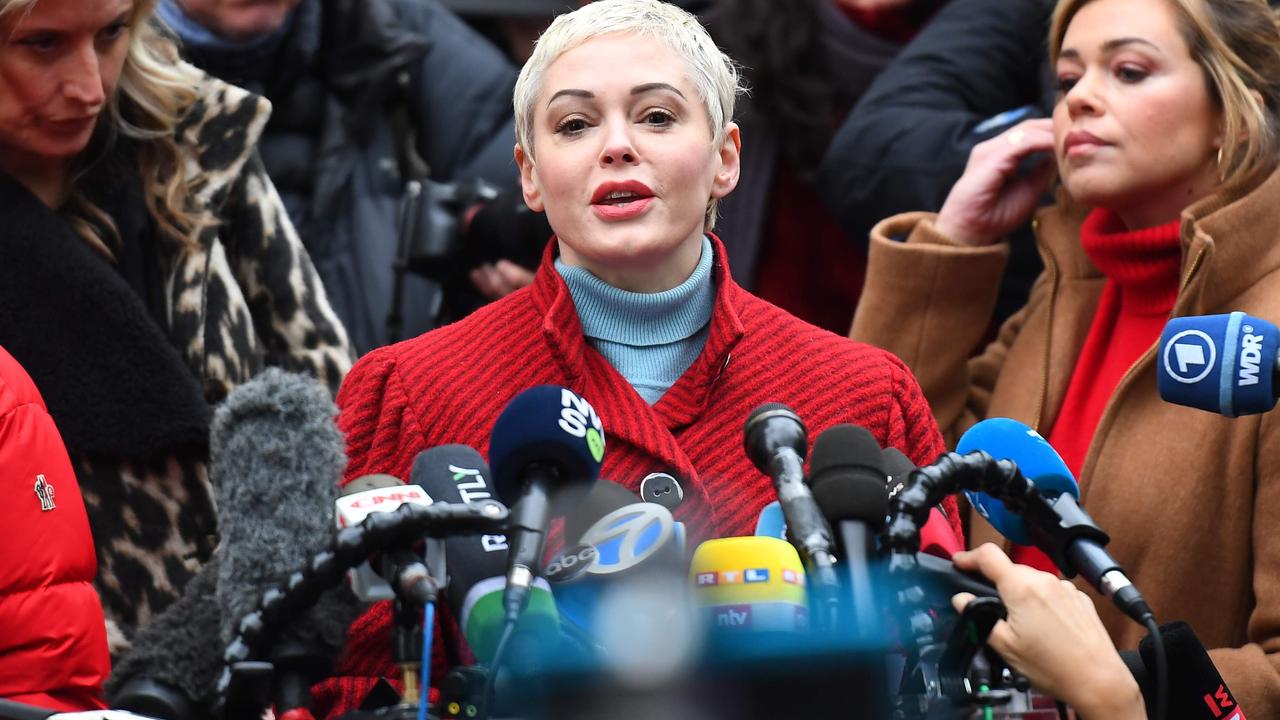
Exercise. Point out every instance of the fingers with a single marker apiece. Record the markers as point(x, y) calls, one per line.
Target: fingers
point(500, 280)
point(960, 601)
point(986, 559)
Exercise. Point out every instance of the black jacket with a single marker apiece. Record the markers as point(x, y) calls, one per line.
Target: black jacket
point(908, 139)
point(331, 150)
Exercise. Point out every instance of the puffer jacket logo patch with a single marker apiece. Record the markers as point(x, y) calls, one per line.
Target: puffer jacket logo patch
point(44, 491)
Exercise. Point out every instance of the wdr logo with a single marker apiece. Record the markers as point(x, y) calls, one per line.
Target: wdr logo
point(1189, 356)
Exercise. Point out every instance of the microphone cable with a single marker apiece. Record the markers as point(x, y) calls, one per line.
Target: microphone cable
point(1001, 479)
point(1162, 666)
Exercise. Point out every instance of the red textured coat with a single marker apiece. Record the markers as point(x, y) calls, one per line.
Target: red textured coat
point(449, 385)
point(53, 643)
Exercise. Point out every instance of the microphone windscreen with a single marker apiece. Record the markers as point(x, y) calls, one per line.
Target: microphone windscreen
point(1196, 688)
point(750, 584)
point(1008, 439)
point(551, 426)
point(605, 497)
point(846, 472)
point(481, 616)
point(276, 457)
point(1224, 364)
point(897, 466)
point(174, 648)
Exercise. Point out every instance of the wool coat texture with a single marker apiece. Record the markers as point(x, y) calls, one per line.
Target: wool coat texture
point(1189, 498)
point(449, 385)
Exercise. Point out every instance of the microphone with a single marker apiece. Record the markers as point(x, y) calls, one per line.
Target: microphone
point(770, 523)
point(1196, 690)
point(1073, 540)
point(848, 481)
point(477, 563)
point(749, 585)
point(275, 459)
point(1225, 364)
point(546, 447)
point(1008, 439)
point(409, 576)
point(775, 440)
point(936, 537)
point(618, 538)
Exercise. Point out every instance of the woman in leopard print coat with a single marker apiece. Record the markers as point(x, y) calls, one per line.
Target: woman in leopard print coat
point(132, 317)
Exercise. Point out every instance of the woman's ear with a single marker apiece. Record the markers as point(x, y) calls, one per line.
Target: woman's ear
point(730, 162)
point(528, 180)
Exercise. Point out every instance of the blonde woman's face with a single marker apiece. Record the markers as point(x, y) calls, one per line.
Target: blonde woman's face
point(58, 65)
point(1135, 128)
point(624, 162)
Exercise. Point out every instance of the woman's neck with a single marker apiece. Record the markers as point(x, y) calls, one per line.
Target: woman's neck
point(1163, 206)
point(45, 179)
point(640, 277)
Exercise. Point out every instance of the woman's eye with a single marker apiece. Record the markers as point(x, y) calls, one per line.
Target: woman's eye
point(40, 43)
point(658, 118)
point(115, 30)
point(1129, 74)
point(571, 126)
point(1065, 83)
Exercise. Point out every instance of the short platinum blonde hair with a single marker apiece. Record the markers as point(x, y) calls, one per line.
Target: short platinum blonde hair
point(713, 74)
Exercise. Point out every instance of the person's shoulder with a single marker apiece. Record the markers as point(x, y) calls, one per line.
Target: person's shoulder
point(770, 329)
point(484, 336)
point(16, 386)
point(221, 125)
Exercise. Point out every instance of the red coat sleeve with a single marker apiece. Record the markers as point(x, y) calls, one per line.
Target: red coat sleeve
point(53, 644)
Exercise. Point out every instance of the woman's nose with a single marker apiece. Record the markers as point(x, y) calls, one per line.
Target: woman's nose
point(83, 81)
point(1082, 98)
point(618, 146)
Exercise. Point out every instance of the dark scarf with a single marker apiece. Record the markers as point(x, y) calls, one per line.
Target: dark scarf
point(109, 375)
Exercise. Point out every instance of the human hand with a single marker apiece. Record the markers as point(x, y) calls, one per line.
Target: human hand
point(991, 198)
point(500, 279)
point(1053, 636)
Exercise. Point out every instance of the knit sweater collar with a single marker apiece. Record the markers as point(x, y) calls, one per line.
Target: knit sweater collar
point(642, 319)
point(684, 401)
point(1143, 264)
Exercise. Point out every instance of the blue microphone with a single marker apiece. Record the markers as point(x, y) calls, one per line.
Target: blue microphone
point(1226, 364)
point(1006, 439)
point(1074, 541)
point(771, 522)
point(545, 449)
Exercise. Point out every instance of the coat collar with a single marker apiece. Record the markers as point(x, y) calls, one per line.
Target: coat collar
point(218, 134)
point(110, 378)
point(584, 367)
point(1228, 242)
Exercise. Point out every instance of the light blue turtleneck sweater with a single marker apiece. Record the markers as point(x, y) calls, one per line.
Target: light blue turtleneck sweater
point(649, 338)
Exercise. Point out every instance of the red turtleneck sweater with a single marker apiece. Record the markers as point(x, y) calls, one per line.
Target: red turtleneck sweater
point(1142, 282)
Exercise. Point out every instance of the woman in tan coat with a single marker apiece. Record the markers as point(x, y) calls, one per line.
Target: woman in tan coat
point(1165, 137)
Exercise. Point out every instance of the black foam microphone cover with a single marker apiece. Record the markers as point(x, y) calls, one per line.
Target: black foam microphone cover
point(551, 427)
point(172, 665)
point(458, 474)
point(846, 472)
point(1196, 688)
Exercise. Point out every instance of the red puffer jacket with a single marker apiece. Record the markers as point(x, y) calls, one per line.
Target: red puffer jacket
point(53, 644)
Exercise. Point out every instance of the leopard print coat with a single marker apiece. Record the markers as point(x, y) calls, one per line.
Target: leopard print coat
point(244, 297)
